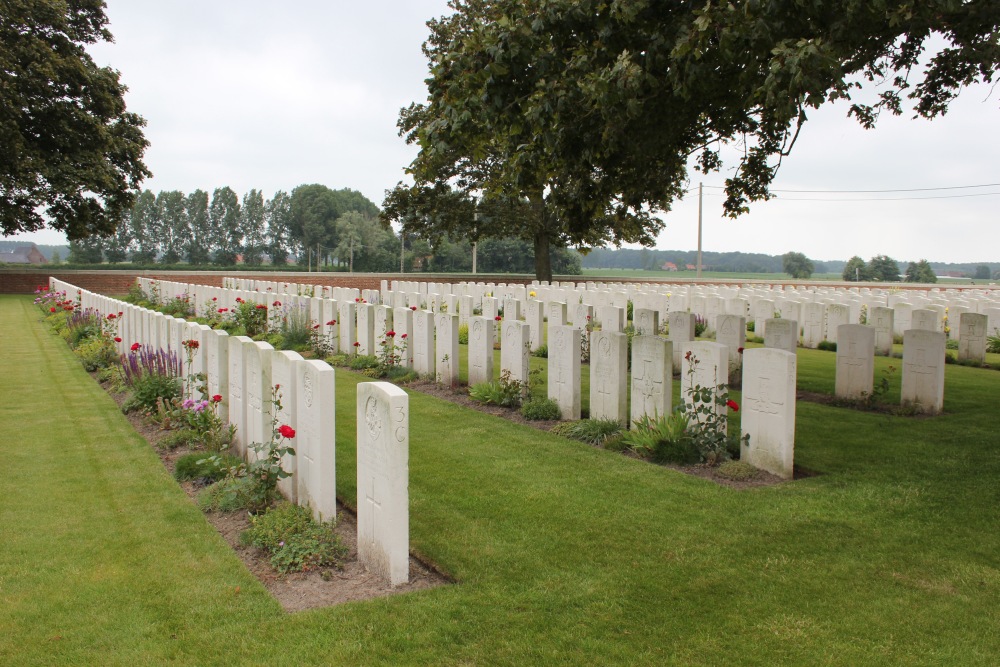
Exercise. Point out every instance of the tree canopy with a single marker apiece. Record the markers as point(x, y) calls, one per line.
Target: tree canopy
point(588, 113)
point(921, 272)
point(797, 265)
point(69, 151)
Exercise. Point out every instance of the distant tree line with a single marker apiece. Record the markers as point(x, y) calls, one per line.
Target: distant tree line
point(729, 262)
point(313, 225)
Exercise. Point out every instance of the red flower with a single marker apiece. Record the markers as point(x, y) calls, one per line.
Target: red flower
point(136, 346)
point(498, 318)
point(120, 314)
point(111, 316)
point(191, 344)
point(117, 339)
point(357, 344)
point(740, 350)
point(261, 306)
point(215, 298)
point(403, 336)
point(358, 300)
point(733, 405)
point(286, 431)
point(52, 310)
point(413, 307)
point(331, 323)
point(390, 334)
point(239, 300)
point(217, 398)
point(687, 356)
point(276, 304)
point(316, 326)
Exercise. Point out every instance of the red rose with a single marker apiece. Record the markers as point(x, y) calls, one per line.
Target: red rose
point(331, 323)
point(120, 314)
point(217, 398)
point(286, 431)
point(357, 344)
point(390, 334)
point(403, 336)
point(740, 350)
point(111, 316)
point(261, 306)
point(136, 346)
point(215, 298)
point(413, 307)
point(277, 304)
point(117, 339)
point(52, 310)
point(733, 405)
point(498, 318)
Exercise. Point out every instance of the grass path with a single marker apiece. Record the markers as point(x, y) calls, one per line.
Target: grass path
point(564, 554)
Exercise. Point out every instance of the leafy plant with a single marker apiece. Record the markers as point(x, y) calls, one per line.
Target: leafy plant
point(251, 316)
point(737, 471)
point(229, 494)
point(542, 352)
point(505, 392)
point(664, 439)
point(598, 432)
point(993, 342)
point(265, 468)
point(295, 542)
point(540, 409)
point(706, 422)
point(295, 328)
point(96, 353)
point(197, 466)
point(827, 345)
point(463, 334)
point(149, 389)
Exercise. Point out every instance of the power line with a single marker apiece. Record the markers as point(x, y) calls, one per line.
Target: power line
point(953, 187)
point(871, 199)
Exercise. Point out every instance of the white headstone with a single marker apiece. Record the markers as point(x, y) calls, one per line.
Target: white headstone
point(972, 337)
point(881, 318)
point(564, 369)
point(480, 350)
point(855, 360)
point(608, 374)
point(923, 370)
point(315, 438)
point(652, 373)
point(383, 480)
point(446, 348)
point(781, 334)
point(768, 411)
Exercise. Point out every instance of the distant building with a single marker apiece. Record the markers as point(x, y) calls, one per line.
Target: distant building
point(690, 267)
point(669, 266)
point(25, 254)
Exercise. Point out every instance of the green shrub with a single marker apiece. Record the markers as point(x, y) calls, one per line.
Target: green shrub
point(362, 361)
point(293, 539)
point(295, 328)
point(737, 471)
point(229, 494)
point(750, 325)
point(148, 388)
point(463, 334)
point(663, 439)
point(96, 353)
point(181, 437)
point(505, 392)
point(596, 432)
point(198, 465)
point(540, 408)
point(827, 345)
point(993, 342)
point(542, 352)
point(951, 344)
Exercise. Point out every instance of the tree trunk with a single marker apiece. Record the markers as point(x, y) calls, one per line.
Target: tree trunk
point(543, 263)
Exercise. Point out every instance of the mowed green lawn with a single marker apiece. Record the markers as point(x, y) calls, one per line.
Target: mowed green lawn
point(563, 554)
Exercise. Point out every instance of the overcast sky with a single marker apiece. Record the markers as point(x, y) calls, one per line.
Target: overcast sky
point(262, 95)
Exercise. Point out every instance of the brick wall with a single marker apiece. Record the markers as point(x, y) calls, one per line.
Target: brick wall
point(24, 281)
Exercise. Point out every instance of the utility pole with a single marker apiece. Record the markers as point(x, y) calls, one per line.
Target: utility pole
point(475, 244)
point(698, 275)
point(317, 257)
point(402, 249)
point(351, 268)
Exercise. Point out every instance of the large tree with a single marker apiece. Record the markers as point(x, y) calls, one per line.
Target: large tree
point(70, 154)
point(225, 233)
point(921, 272)
point(797, 265)
point(591, 111)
